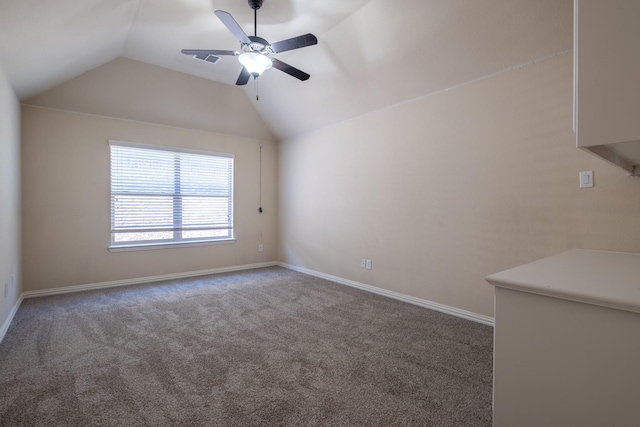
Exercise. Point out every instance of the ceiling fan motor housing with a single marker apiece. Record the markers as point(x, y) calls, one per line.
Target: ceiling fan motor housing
point(258, 44)
point(255, 4)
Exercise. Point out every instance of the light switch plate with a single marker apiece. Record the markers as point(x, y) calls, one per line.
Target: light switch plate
point(586, 179)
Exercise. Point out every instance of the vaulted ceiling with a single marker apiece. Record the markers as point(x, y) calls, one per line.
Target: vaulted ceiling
point(370, 53)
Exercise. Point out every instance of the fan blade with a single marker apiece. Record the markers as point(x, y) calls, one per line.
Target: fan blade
point(292, 71)
point(199, 52)
point(294, 43)
point(243, 78)
point(232, 25)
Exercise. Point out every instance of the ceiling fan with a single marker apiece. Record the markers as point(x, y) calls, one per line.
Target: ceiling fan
point(255, 51)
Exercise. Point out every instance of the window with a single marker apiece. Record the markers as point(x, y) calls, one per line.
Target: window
point(162, 195)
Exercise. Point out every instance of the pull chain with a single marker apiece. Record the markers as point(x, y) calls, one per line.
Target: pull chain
point(257, 95)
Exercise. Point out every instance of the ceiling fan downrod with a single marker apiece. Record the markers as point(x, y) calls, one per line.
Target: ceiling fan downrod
point(255, 5)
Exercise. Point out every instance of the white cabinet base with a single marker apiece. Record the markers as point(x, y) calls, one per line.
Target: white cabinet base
point(567, 341)
point(564, 363)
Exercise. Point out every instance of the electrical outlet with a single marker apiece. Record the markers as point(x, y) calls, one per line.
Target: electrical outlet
point(363, 263)
point(259, 248)
point(368, 264)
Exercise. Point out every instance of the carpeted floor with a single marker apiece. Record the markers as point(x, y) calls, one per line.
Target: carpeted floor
point(266, 347)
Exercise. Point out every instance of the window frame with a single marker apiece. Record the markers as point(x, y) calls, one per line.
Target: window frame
point(174, 242)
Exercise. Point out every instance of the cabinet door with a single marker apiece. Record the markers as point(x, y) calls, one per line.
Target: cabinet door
point(607, 49)
point(564, 363)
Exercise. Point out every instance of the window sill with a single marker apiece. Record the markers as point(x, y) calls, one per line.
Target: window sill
point(168, 245)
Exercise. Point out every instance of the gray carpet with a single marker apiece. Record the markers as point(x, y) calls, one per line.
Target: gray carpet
point(264, 347)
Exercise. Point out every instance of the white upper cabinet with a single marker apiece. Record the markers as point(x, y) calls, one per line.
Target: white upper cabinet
point(607, 80)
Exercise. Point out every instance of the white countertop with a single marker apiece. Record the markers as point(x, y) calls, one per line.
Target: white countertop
point(609, 279)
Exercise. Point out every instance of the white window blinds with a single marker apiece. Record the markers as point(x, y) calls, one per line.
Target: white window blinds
point(168, 195)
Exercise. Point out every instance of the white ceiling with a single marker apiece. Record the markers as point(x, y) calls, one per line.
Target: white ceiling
point(370, 54)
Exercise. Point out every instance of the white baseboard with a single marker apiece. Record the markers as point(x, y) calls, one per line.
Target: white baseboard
point(140, 280)
point(7, 322)
point(395, 295)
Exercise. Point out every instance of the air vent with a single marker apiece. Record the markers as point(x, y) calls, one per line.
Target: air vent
point(208, 58)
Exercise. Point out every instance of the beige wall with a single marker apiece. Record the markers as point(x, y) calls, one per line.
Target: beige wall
point(438, 192)
point(133, 90)
point(66, 204)
point(9, 198)
point(443, 190)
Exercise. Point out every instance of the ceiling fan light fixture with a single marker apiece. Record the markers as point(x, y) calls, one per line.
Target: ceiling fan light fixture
point(255, 63)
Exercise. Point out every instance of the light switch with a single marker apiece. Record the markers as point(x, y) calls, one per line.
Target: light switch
point(586, 179)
